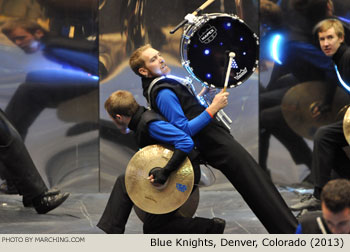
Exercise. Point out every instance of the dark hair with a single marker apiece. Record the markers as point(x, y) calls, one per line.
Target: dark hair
point(315, 10)
point(270, 13)
point(336, 195)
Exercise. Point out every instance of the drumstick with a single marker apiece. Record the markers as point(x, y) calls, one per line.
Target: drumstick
point(231, 56)
point(202, 7)
point(189, 16)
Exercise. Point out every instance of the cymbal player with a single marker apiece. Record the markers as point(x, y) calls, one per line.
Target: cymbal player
point(151, 128)
point(329, 140)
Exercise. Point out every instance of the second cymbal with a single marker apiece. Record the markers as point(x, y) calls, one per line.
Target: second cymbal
point(152, 199)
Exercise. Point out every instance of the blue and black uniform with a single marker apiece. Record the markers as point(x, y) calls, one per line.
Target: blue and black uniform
point(77, 65)
point(218, 148)
point(150, 128)
point(329, 140)
point(312, 223)
point(300, 61)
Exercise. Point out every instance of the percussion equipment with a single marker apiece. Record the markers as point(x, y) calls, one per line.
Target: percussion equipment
point(188, 209)
point(298, 101)
point(189, 17)
point(153, 199)
point(206, 44)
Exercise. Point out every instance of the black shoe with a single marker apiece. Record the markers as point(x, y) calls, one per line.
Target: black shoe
point(310, 204)
point(48, 202)
point(8, 188)
point(28, 202)
point(218, 226)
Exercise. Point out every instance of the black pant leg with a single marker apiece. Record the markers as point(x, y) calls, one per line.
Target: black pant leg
point(328, 154)
point(272, 120)
point(17, 161)
point(223, 152)
point(118, 208)
point(45, 89)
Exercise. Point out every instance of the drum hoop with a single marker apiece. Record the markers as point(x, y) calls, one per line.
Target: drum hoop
point(191, 29)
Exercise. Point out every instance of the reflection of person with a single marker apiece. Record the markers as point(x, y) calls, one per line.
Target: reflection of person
point(217, 147)
point(48, 88)
point(273, 123)
point(329, 140)
point(300, 56)
point(335, 217)
point(20, 167)
point(151, 128)
point(300, 61)
point(271, 120)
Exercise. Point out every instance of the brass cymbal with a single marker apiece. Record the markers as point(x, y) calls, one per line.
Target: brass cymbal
point(150, 198)
point(188, 209)
point(346, 125)
point(298, 101)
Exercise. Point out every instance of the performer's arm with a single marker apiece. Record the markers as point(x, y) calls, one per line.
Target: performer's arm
point(299, 230)
point(167, 133)
point(169, 106)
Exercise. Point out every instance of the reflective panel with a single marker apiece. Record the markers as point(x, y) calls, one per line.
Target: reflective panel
point(297, 79)
point(127, 25)
point(49, 86)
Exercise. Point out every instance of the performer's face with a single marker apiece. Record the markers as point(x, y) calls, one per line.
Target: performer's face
point(154, 64)
point(25, 40)
point(122, 123)
point(338, 223)
point(329, 41)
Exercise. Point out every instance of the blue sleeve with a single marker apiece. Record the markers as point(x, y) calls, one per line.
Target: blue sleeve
point(169, 134)
point(299, 231)
point(169, 106)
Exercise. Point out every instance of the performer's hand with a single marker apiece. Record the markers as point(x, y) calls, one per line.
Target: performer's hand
point(219, 102)
point(158, 175)
point(318, 109)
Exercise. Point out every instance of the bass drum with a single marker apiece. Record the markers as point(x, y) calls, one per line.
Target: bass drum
point(206, 44)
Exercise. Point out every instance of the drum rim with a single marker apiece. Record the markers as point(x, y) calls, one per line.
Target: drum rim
point(186, 38)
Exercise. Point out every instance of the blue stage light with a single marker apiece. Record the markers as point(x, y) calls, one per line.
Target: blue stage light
point(345, 85)
point(208, 75)
point(206, 51)
point(275, 48)
point(344, 19)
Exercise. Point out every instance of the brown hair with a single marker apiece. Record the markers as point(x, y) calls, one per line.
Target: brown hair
point(28, 25)
point(121, 102)
point(135, 61)
point(336, 195)
point(326, 24)
point(270, 13)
